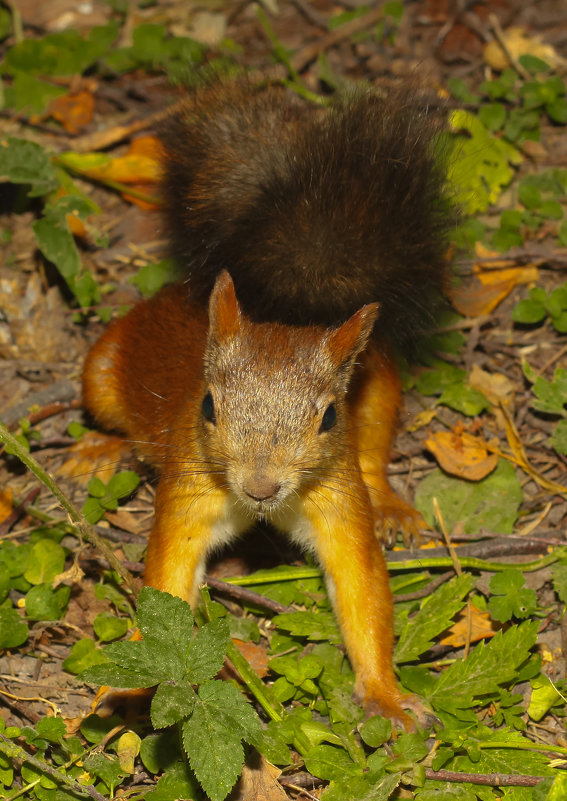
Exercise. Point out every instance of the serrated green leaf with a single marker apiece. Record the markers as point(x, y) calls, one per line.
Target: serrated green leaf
point(171, 703)
point(313, 625)
point(24, 162)
point(480, 167)
point(558, 439)
point(485, 669)
point(435, 615)
point(207, 651)
point(510, 598)
point(212, 736)
point(105, 767)
point(551, 396)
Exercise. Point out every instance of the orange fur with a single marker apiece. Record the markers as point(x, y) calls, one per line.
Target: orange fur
point(266, 454)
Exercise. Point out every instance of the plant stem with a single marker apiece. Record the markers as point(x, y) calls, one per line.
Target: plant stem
point(78, 521)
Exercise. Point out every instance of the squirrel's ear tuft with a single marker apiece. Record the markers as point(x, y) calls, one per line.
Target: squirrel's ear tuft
point(346, 342)
point(224, 311)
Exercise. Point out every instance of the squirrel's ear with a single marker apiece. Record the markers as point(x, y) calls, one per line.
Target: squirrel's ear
point(224, 311)
point(346, 342)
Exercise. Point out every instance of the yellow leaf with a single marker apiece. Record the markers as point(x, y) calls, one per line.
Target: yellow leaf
point(127, 750)
point(519, 44)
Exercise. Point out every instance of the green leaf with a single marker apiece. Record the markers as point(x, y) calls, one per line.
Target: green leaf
point(544, 696)
point(492, 503)
point(177, 782)
point(485, 669)
point(84, 654)
point(313, 625)
point(464, 399)
point(529, 311)
point(45, 603)
point(207, 651)
point(492, 116)
point(52, 729)
point(13, 630)
point(529, 196)
point(122, 484)
point(480, 165)
point(152, 277)
point(376, 731)
point(109, 627)
point(105, 767)
point(212, 736)
point(23, 162)
point(160, 751)
point(509, 596)
point(559, 577)
point(171, 703)
point(435, 615)
point(96, 488)
point(551, 395)
point(558, 439)
point(46, 560)
point(557, 110)
point(329, 762)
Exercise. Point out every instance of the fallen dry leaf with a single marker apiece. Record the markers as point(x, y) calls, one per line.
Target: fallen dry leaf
point(6, 497)
point(74, 111)
point(259, 781)
point(462, 454)
point(481, 626)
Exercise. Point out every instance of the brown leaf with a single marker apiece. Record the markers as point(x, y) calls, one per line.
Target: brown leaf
point(255, 655)
point(462, 454)
point(74, 111)
point(5, 504)
point(259, 781)
point(481, 626)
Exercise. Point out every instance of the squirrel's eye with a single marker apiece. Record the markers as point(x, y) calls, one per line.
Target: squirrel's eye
point(329, 418)
point(208, 408)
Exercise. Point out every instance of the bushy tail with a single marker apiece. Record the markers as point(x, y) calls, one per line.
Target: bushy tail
point(314, 212)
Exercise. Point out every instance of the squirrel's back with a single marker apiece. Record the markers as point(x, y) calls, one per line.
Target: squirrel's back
point(313, 211)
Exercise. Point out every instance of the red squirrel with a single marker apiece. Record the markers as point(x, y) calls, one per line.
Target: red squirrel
point(263, 386)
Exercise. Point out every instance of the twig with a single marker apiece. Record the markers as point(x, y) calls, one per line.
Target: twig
point(248, 596)
point(307, 54)
point(15, 751)
point(488, 779)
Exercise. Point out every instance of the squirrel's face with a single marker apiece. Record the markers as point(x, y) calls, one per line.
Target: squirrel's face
point(274, 411)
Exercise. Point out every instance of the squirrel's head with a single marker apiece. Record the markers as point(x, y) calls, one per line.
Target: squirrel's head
point(274, 409)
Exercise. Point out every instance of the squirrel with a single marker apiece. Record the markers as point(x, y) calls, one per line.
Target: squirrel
point(264, 385)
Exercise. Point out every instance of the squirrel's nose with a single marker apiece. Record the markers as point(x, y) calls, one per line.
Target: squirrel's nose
point(260, 488)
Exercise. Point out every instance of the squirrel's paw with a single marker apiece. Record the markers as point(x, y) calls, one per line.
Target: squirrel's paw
point(391, 515)
point(396, 710)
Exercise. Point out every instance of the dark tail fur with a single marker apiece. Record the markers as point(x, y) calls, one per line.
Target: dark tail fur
point(314, 212)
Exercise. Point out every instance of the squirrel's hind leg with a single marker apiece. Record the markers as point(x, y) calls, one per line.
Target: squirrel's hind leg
point(375, 402)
